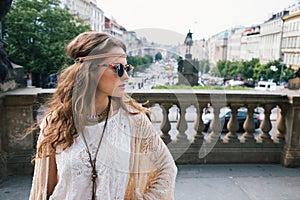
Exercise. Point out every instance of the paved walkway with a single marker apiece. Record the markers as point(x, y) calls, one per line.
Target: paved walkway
point(207, 182)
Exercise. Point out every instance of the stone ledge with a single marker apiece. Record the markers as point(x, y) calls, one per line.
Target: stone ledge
point(19, 162)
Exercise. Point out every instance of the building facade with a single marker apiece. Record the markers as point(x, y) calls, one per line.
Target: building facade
point(88, 11)
point(271, 34)
point(217, 48)
point(250, 43)
point(290, 48)
point(199, 50)
point(278, 38)
point(234, 43)
point(112, 27)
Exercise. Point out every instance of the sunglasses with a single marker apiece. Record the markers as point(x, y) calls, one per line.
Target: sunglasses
point(119, 68)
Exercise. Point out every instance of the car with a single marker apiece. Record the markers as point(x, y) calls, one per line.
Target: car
point(52, 81)
point(235, 83)
point(266, 86)
point(225, 117)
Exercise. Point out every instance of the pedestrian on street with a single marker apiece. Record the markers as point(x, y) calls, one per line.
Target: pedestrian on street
point(96, 142)
point(208, 109)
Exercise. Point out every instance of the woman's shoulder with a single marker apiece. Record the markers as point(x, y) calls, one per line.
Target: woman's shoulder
point(140, 123)
point(133, 109)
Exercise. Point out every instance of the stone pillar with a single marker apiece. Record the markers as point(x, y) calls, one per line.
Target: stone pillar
point(3, 169)
point(232, 126)
point(216, 125)
point(199, 125)
point(280, 124)
point(166, 125)
point(19, 152)
point(182, 124)
point(249, 126)
point(266, 125)
point(291, 151)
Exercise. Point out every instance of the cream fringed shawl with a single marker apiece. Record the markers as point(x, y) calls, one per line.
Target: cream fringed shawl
point(40, 176)
point(152, 168)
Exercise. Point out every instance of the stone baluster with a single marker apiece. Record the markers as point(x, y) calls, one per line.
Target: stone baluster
point(199, 125)
point(266, 126)
point(165, 126)
point(232, 126)
point(280, 124)
point(215, 125)
point(249, 126)
point(182, 124)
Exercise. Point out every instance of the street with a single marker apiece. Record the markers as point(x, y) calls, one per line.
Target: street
point(157, 74)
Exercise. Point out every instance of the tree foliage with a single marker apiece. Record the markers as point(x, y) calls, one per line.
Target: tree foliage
point(253, 70)
point(158, 56)
point(203, 66)
point(37, 32)
point(273, 70)
point(140, 63)
point(247, 67)
point(215, 71)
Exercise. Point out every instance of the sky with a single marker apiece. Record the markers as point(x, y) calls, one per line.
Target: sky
point(171, 20)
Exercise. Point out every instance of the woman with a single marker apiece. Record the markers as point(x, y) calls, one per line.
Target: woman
point(95, 141)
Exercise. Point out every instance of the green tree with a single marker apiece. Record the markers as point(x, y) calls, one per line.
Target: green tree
point(272, 70)
point(247, 68)
point(223, 67)
point(288, 73)
point(233, 68)
point(37, 32)
point(215, 72)
point(203, 66)
point(158, 56)
point(253, 70)
point(140, 63)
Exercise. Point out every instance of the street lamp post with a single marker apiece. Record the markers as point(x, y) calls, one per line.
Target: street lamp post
point(274, 69)
point(281, 71)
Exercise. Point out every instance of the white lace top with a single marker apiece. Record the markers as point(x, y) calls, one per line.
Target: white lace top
point(132, 161)
point(74, 169)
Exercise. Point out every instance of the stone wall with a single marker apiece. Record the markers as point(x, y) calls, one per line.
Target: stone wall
point(16, 116)
point(3, 169)
point(19, 116)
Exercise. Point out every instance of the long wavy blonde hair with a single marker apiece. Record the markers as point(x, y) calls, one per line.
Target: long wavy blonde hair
point(59, 126)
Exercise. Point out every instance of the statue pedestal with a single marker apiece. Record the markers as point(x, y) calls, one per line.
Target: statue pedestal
point(189, 73)
point(188, 56)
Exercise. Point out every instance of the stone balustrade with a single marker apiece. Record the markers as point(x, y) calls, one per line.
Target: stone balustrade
point(19, 109)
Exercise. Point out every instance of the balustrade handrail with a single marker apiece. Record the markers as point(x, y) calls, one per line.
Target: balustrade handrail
point(19, 108)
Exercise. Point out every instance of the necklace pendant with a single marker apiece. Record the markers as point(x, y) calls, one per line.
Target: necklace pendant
point(94, 176)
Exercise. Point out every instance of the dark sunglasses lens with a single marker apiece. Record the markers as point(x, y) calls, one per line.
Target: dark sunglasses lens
point(128, 68)
point(120, 69)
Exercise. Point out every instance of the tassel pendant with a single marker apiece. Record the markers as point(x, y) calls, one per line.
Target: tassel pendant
point(94, 176)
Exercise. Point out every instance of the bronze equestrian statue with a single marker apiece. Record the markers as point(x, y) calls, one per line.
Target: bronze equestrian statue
point(188, 42)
